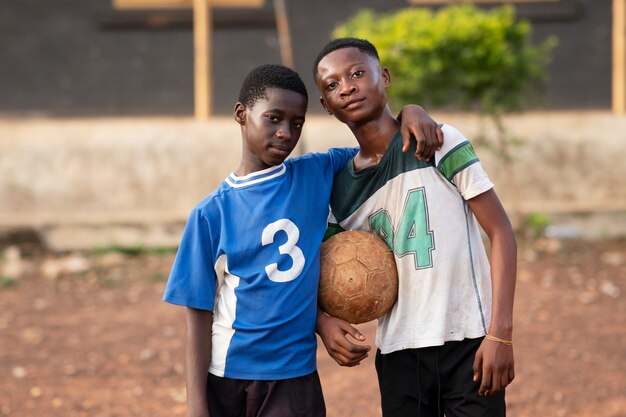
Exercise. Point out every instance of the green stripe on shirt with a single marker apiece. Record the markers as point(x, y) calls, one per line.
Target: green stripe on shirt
point(457, 159)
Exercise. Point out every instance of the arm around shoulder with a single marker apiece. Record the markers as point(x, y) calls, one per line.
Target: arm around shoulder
point(416, 123)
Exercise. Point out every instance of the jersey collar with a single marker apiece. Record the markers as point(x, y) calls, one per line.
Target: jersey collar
point(255, 177)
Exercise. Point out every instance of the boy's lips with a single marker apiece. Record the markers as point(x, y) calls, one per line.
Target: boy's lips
point(285, 150)
point(353, 103)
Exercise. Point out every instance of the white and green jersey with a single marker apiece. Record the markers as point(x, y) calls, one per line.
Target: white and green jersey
point(419, 208)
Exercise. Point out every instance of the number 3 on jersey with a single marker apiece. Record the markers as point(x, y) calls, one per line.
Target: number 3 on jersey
point(412, 235)
point(288, 248)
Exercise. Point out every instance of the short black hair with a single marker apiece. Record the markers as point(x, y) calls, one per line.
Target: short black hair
point(362, 45)
point(270, 76)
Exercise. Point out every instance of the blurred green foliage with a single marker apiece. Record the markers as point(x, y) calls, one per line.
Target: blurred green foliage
point(133, 250)
point(459, 55)
point(6, 282)
point(156, 277)
point(536, 224)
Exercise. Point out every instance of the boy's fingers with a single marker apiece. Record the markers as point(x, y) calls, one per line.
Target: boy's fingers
point(485, 385)
point(356, 356)
point(477, 367)
point(430, 142)
point(507, 377)
point(435, 135)
point(348, 346)
point(352, 362)
point(352, 331)
point(346, 358)
point(342, 360)
point(496, 383)
point(439, 137)
point(406, 139)
point(421, 142)
point(504, 379)
point(429, 139)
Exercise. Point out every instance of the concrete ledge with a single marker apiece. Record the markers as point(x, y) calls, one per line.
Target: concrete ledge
point(98, 179)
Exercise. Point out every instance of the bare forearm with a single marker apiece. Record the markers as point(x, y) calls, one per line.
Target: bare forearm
point(503, 260)
point(198, 358)
point(503, 278)
point(494, 364)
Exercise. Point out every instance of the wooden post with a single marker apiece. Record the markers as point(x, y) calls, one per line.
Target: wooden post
point(202, 58)
point(619, 56)
point(202, 40)
point(284, 37)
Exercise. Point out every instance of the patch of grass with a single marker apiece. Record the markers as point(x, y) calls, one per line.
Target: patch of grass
point(110, 282)
point(156, 277)
point(160, 251)
point(536, 224)
point(130, 251)
point(7, 282)
point(133, 250)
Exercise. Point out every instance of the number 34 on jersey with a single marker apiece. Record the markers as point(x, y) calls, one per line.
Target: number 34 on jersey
point(412, 235)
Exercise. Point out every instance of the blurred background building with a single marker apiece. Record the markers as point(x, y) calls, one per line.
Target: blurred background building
point(87, 57)
point(98, 145)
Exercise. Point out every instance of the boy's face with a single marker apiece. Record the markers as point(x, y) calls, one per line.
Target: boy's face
point(352, 85)
point(271, 128)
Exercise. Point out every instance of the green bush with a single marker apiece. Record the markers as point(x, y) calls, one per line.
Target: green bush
point(460, 55)
point(536, 224)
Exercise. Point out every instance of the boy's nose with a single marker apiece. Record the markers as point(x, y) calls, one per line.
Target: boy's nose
point(283, 133)
point(348, 88)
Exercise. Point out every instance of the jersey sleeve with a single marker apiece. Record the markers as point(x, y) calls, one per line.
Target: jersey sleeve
point(339, 157)
point(458, 163)
point(192, 280)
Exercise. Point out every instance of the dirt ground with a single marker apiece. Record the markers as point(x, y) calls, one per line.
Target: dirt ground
point(87, 335)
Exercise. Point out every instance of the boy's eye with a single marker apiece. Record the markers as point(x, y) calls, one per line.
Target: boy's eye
point(273, 118)
point(332, 85)
point(358, 73)
point(297, 125)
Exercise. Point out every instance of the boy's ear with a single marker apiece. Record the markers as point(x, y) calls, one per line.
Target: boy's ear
point(323, 102)
point(386, 76)
point(239, 113)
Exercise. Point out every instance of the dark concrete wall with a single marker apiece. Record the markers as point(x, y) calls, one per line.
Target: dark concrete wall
point(580, 73)
point(61, 57)
point(56, 58)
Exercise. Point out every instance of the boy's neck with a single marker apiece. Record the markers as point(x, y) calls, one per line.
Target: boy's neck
point(374, 138)
point(250, 164)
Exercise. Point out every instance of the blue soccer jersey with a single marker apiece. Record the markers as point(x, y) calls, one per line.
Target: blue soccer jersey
point(250, 254)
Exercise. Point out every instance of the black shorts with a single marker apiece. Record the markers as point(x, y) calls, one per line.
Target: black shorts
point(433, 381)
point(298, 397)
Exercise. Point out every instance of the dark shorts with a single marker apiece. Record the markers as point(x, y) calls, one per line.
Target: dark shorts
point(433, 381)
point(298, 397)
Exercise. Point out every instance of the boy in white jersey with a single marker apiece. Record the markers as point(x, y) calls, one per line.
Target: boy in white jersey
point(248, 264)
point(445, 347)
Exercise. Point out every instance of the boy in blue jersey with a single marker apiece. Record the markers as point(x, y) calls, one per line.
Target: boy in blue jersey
point(445, 347)
point(248, 263)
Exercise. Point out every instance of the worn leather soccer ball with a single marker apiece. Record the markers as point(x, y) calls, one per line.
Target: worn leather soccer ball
point(358, 279)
